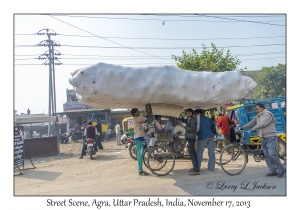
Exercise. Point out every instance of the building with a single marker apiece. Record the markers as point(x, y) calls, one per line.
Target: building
point(75, 113)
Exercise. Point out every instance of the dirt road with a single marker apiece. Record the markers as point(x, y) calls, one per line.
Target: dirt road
point(114, 172)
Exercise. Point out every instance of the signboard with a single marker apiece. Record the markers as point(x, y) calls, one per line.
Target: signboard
point(18, 146)
point(274, 105)
point(74, 105)
point(130, 123)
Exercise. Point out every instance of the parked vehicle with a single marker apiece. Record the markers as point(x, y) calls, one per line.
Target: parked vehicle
point(64, 139)
point(127, 125)
point(245, 112)
point(73, 135)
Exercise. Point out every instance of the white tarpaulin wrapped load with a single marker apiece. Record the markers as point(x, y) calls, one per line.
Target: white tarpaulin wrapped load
point(111, 86)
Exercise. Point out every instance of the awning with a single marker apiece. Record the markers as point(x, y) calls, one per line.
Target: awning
point(21, 119)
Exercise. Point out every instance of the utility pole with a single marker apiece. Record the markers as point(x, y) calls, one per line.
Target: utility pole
point(49, 56)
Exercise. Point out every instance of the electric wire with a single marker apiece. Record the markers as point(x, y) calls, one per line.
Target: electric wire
point(172, 39)
point(251, 54)
point(82, 46)
point(160, 20)
point(105, 38)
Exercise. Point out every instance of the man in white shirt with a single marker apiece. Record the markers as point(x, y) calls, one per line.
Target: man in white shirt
point(118, 133)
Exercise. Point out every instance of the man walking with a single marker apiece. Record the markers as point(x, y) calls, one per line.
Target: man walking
point(118, 133)
point(207, 131)
point(99, 130)
point(190, 135)
point(265, 123)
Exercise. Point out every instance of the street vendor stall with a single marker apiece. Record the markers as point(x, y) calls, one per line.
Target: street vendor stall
point(36, 147)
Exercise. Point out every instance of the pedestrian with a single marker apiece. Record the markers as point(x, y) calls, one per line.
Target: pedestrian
point(28, 111)
point(139, 134)
point(190, 135)
point(265, 123)
point(90, 132)
point(99, 130)
point(84, 124)
point(118, 133)
point(197, 115)
point(207, 131)
point(224, 123)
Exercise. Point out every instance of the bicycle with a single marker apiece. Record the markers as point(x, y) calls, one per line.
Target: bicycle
point(234, 157)
point(160, 154)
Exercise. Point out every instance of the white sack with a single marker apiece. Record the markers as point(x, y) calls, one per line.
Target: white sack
point(111, 86)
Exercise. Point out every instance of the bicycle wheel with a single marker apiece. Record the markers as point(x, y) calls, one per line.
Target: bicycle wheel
point(145, 156)
point(281, 148)
point(220, 145)
point(161, 161)
point(233, 159)
point(132, 151)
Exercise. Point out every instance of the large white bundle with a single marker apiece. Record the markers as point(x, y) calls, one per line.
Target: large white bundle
point(111, 86)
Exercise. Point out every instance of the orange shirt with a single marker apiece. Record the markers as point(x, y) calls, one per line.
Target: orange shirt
point(223, 123)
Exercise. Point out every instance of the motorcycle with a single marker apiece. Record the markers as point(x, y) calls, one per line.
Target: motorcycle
point(91, 147)
point(132, 146)
point(73, 135)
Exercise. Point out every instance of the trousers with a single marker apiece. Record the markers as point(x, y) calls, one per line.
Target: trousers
point(268, 146)
point(139, 149)
point(211, 153)
point(192, 153)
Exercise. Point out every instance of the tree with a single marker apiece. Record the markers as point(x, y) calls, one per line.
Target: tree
point(272, 82)
point(213, 61)
point(254, 93)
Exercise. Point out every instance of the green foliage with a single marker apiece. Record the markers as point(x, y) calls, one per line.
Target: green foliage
point(272, 82)
point(213, 61)
point(254, 93)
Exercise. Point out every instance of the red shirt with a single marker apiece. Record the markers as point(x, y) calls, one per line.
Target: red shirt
point(223, 123)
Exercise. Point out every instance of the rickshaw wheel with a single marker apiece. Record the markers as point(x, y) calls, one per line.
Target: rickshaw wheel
point(161, 161)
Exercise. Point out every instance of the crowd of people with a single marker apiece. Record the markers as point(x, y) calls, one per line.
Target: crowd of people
point(199, 130)
point(202, 130)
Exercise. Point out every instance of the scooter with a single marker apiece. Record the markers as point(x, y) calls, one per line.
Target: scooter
point(91, 147)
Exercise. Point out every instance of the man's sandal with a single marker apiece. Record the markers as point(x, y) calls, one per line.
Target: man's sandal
point(143, 173)
point(191, 170)
point(194, 173)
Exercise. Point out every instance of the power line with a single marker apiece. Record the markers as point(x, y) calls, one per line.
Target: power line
point(160, 20)
point(251, 54)
point(238, 20)
point(105, 38)
point(113, 64)
point(82, 46)
point(253, 16)
point(152, 63)
point(164, 38)
point(261, 58)
point(133, 58)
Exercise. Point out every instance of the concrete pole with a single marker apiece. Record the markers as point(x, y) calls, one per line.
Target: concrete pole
point(50, 85)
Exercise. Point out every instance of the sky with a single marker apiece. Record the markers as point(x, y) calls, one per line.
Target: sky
point(134, 40)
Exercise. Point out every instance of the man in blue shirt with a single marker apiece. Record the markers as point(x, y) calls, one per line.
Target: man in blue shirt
point(207, 130)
